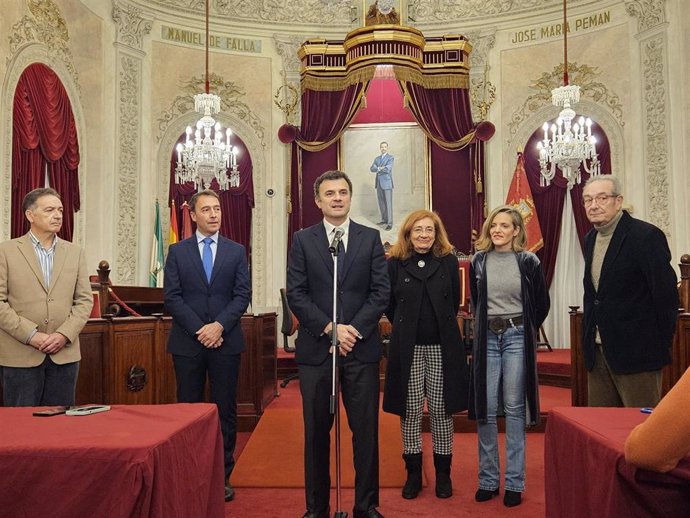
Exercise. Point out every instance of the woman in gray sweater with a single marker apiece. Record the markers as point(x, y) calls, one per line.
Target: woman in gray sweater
point(510, 301)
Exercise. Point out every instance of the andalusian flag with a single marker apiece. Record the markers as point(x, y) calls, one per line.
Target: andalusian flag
point(157, 259)
point(174, 232)
point(520, 197)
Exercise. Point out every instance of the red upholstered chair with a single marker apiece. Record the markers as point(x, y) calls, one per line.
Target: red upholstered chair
point(288, 327)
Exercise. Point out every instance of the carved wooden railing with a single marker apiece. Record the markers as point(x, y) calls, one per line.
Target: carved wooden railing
point(680, 350)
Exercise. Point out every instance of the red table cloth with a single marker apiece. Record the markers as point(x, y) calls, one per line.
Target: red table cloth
point(157, 461)
point(586, 474)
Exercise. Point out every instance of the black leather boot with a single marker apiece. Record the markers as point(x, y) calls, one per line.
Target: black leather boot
point(444, 486)
point(413, 484)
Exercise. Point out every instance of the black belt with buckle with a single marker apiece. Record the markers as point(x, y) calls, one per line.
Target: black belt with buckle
point(499, 325)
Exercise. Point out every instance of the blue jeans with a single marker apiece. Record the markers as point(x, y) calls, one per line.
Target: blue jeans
point(505, 366)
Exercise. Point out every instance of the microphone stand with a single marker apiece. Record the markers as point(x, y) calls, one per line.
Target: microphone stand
point(335, 383)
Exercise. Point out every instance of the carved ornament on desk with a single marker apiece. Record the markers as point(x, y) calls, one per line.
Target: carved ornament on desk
point(136, 378)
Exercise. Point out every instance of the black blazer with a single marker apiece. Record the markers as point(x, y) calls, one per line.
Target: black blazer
point(535, 307)
point(193, 301)
point(363, 291)
point(407, 292)
point(637, 301)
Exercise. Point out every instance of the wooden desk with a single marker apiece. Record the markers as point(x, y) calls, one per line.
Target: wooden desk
point(130, 462)
point(586, 473)
point(124, 361)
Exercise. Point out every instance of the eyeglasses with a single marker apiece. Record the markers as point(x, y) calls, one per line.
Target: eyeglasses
point(418, 231)
point(601, 199)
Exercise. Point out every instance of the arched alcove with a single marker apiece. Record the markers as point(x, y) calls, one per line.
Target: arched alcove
point(38, 53)
point(255, 147)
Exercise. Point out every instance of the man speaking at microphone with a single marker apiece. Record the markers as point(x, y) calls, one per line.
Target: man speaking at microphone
point(362, 295)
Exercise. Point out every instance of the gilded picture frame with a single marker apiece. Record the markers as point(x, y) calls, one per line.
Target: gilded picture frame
point(360, 146)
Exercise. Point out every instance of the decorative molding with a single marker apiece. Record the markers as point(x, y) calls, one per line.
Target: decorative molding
point(45, 26)
point(231, 103)
point(482, 43)
point(302, 12)
point(655, 112)
point(287, 47)
point(649, 13)
point(131, 25)
point(128, 159)
point(435, 11)
point(583, 75)
point(131, 29)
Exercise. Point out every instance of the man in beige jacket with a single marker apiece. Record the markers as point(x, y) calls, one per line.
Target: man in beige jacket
point(45, 301)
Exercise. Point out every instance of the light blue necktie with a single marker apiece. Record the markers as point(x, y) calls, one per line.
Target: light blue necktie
point(207, 258)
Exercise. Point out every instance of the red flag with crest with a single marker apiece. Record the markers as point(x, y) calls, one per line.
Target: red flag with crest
point(520, 197)
point(186, 221)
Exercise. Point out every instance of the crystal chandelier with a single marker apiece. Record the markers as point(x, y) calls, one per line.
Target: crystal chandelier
point(569, 145)
point(209, 154)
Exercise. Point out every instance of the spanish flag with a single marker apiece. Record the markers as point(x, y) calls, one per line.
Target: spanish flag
point(520, 197)
point(174, 232)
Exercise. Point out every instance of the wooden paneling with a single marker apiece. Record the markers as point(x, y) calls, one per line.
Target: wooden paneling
point(132, 345)
point(110, 348)
point(91, 386)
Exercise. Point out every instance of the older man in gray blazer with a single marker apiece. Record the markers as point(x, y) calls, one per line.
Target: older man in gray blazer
point(45, 301)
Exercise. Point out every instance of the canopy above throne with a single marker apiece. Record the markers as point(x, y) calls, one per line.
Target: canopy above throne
point(433, 75)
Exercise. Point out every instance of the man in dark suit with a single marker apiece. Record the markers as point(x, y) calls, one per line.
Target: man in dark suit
point(630, 301)
point(363, 290)
point(206, 291)
point(383, 167)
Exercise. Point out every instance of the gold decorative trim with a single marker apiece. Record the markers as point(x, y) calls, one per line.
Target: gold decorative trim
point(436, 62)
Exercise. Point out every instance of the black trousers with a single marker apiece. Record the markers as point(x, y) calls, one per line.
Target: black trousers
point(360, 395)
point(47, 384)
point(223, 374)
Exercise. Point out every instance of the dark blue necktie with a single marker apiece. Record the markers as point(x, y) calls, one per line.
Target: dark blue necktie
point(207, 258)
point(341, 257)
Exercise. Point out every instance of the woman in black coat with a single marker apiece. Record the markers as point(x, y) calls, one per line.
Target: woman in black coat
point(426, 357)
point(510, 301)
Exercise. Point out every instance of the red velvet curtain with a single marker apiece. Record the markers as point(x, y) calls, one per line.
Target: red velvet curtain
point(549, 201)
point(235, 203)
point(443, 113)
point(325, 115)
point(44, 139)
point(452, 193)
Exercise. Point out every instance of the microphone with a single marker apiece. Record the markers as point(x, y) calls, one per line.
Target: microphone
point(337, 237)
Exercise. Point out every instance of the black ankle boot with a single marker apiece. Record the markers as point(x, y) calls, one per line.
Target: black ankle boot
point(413, 484)
point(512, 498)
point(484, 495)
point(444, 486)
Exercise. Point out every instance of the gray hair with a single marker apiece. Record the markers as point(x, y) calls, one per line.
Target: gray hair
point(615, 182)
